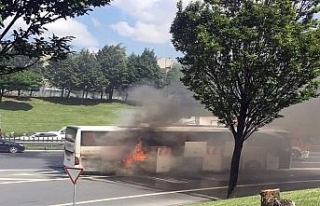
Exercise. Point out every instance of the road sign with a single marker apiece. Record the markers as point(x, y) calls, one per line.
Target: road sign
point(73, 173)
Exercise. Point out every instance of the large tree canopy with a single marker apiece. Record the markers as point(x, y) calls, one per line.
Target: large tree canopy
point(28, 40)
point(246, 60)
point(112, 60)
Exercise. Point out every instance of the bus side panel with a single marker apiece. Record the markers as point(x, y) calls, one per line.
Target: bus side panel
point(103, 159)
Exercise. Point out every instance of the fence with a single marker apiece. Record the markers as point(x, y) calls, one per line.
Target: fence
point(34, 139)
point(43, 143)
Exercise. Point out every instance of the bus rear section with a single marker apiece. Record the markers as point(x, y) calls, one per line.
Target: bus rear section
point(98, 149)
point(71, 156)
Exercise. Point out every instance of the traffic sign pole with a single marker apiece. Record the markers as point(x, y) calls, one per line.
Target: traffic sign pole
point(74, 194)
point(74, 174)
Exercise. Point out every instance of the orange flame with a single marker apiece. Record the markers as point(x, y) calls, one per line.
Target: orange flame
point(137, 155)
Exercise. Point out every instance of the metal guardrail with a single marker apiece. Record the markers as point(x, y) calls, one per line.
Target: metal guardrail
point(28, 139)
point(32, 143)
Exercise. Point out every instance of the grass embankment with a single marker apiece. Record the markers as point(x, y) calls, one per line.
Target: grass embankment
point(31, 115)
point(309, 197)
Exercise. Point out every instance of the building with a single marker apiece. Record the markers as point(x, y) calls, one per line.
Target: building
point(165, 64)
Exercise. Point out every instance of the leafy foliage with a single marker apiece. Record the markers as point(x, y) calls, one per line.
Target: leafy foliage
point(62, 73)
point(113, 65)
point(144, 69)
point(174, 75)
point(88, 72)
point(247, 60)
point(29, 41)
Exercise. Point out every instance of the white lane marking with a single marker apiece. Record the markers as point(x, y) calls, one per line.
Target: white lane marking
point(171, 180)
point(18, 179)
point(32, 181)
point(180, 191)
point(25, 170)
point(22, 174)
point(299, 168)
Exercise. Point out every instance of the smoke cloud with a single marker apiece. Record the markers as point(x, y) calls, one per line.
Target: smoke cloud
point(300, 120)
point(160, 107)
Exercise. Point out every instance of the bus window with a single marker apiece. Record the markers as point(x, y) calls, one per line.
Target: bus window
point(71, 134)
point(108, 138)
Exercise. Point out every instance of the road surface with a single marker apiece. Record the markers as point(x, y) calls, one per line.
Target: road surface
point(37, 178)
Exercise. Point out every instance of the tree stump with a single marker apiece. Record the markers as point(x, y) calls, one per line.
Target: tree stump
point(269, 197)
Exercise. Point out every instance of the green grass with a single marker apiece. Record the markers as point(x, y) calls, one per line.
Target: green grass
point(31, 115)
point(44, 146)
point(310, 197)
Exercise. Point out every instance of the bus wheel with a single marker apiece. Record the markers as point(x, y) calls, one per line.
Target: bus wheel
point(252, 165)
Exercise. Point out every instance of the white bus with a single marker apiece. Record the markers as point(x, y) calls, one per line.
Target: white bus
point(118, 149)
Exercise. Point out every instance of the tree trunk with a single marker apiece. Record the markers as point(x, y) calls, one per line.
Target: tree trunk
point(83, 93)
point(126, 97)
point(101, 95)
point(31, 93)
point(234, 170)
point(110, 94)
point(19, 92)
point(1, 94)
point(62, 92)
point(82, 96)
point(69, 92)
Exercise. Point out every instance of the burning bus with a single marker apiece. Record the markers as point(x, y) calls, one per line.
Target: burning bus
point(174, 148)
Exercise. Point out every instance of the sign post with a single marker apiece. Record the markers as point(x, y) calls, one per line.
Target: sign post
point(74, 174)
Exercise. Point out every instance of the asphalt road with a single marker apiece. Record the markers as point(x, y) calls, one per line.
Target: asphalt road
point(312, 162)
point(32, 160)
point(37, 178)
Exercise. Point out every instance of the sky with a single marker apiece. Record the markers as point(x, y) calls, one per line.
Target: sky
point(136, 24)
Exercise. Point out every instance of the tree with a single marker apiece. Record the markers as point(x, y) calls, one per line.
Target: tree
point(62, 73)
point(87, 72)
point(150, 68)
point(173, 75)
point(30, 80)
point(29, 41)
point(247, 60)
point(26, 80)
point(34, 81)
point(112, 60)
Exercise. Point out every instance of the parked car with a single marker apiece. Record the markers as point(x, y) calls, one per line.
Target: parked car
point(12, 147)
point(44, 136)
point(300, 148)
point(298, 154)
point(61, 133)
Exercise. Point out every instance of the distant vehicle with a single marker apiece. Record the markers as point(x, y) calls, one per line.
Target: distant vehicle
point(61, 133)
point(42, 136)
point(39, 136)
point(298, 154)
point(12, 147)
point(300, 148)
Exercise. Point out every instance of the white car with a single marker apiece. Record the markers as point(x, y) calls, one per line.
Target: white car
point(298, 154)
point(44, 136)
point(60, 133)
